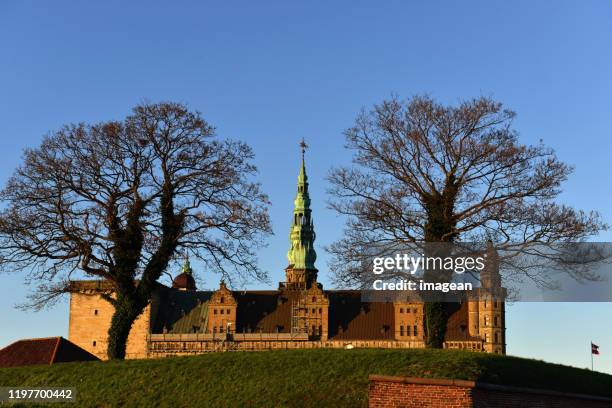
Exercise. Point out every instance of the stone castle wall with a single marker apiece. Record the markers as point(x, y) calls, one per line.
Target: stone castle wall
point(181, 345)
point(90, 318)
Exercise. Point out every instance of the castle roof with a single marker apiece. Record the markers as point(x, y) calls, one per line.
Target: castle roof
point(269, 311)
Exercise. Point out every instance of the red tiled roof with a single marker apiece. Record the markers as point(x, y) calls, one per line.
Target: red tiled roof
point(42, 351)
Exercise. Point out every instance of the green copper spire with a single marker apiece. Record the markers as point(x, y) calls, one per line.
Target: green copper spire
point(187, 267)
point(302, 255)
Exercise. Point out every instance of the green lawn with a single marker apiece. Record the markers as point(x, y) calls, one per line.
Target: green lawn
point(316, 378)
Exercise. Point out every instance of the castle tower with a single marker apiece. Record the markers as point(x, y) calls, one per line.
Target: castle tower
point(490, 312)
point(301, 272)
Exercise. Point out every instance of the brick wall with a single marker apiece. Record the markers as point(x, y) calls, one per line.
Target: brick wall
point(419, 393)
point(391, 392)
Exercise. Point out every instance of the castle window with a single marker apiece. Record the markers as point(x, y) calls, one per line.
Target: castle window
point(214, 311)
point(228, 311)
point(496, 337)
point(314, 298)
point(314, 311)
point(221, 330)
point(222, 311)
point(496, 321)
point(485, 303)
point(96, 312)
point(320, 310)
point(214, 330)
point(414, 311)
point(401, 330)
point(401, 310)
point(415, 331)
point(94, 343)
point(222, 299)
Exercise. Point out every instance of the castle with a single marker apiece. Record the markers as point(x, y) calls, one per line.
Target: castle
point(181, 320)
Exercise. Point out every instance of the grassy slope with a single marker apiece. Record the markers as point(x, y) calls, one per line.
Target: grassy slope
point(289, 378)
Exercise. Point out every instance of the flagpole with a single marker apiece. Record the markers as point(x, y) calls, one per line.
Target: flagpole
point(592, 355)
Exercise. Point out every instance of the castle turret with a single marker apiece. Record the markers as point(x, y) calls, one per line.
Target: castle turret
point(301, 271)
point(185, 280)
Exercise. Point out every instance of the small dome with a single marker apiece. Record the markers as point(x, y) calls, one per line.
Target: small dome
point(185, 280)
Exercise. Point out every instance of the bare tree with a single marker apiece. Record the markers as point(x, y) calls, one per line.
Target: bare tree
point(433, 173)
point(120, 200)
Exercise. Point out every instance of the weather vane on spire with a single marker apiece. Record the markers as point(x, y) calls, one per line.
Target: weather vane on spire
point(303, 146)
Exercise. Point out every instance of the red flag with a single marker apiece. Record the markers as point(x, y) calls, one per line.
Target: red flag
point(594, 349)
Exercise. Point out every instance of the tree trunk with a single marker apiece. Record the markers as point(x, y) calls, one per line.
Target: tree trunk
point(435, 324)
point(440, 227)
point(126, 312)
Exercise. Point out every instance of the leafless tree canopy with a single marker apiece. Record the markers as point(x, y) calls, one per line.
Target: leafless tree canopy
point(120, 200)
point(427, 172)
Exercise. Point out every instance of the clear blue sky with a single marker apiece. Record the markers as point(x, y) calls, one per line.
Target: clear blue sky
point(272, 72)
